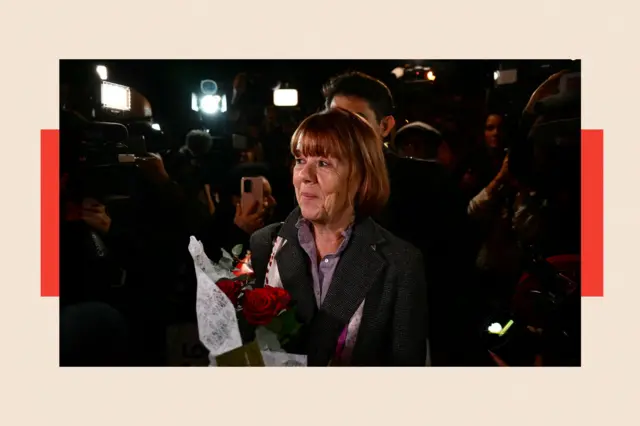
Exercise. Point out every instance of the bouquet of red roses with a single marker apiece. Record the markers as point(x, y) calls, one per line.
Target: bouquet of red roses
point(268, 307)
point(240, 324)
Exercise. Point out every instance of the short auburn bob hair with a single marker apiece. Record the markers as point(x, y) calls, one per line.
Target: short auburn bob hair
point(341, 134)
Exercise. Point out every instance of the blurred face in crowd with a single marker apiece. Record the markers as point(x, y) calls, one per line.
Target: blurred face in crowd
point(269, 202)
point(361, 107)
point(240, 83)
point(493, 132)
point(271, 114)
point(247, 156)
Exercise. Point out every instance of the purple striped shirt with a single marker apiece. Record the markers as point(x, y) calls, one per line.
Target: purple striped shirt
point(322, 272)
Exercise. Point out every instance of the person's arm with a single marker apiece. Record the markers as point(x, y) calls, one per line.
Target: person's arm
point(409, 340)
point(489, 199)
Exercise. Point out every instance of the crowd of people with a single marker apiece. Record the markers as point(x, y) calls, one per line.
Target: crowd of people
point(462, 229)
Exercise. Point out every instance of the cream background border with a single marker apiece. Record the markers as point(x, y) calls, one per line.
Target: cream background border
point(35, 36)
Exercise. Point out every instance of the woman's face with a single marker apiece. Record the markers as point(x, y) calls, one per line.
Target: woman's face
point(493, 131)
point(320, 185)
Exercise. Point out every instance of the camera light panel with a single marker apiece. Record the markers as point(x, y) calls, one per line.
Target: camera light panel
point(115, 96)
point(211, 104)
point(285, 97)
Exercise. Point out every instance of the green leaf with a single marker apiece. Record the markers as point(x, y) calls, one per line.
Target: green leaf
point(237, 250)
point(290, 324)
point(275, 325)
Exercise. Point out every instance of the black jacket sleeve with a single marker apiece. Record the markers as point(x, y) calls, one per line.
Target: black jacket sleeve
point(409, 340)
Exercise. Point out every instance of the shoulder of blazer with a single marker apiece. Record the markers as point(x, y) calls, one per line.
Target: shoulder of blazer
point(262, 240)
point(396, 249)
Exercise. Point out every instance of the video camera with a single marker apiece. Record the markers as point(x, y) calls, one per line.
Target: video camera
point(99, 157)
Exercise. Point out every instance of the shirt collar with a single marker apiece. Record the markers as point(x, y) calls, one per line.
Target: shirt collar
point(302, 222)
point(305, 235)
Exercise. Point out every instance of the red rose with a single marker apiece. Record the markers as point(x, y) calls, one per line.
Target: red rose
point(231, 288)
point(261, 305)
point(282, 297)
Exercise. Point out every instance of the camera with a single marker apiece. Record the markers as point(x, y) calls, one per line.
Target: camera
point(99, 158)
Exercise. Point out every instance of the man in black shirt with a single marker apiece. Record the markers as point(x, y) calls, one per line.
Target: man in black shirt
point(426, 209)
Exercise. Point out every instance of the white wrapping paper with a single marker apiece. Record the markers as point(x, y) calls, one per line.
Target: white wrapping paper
point(217, 322)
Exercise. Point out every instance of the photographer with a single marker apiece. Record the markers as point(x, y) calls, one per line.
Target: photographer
point(545, 218)
point(124, 232)
point(233, 224)
point(188, 167)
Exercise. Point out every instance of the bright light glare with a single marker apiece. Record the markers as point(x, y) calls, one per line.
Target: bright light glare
point(398, 72)
point(102, 72)
point(210, 104)
point(431, 76)
point(155, 126)
point(114, 96)
point(223, 108)
point(285, 97)
point(496, 75)
point(194, 102)
point(495, 328)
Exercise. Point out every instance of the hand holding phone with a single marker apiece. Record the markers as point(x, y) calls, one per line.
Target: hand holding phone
point(251, 192)
point(251, 219)
point(94, 214)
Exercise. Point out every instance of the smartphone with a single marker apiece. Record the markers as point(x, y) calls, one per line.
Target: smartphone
point(251, 191)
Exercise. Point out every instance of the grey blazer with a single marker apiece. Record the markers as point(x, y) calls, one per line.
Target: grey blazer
point(377, 267)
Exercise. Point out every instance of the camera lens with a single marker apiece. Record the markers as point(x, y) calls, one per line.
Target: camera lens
point(247, 186)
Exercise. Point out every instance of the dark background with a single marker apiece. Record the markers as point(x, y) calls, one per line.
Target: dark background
point(168, 84)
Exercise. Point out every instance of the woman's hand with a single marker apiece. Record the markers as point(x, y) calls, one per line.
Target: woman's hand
point(502, 179)
point(251, 220)
point(503, 175)
point(95, 215)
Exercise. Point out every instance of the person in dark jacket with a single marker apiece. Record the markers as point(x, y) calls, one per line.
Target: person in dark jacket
point(426, 209)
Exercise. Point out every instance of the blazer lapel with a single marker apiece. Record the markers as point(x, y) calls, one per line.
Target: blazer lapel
point(295, 271)
point(360, 267)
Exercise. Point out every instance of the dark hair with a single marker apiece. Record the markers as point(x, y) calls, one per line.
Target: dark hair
point(494, 111)
point(199, 142)
point(363, 86)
